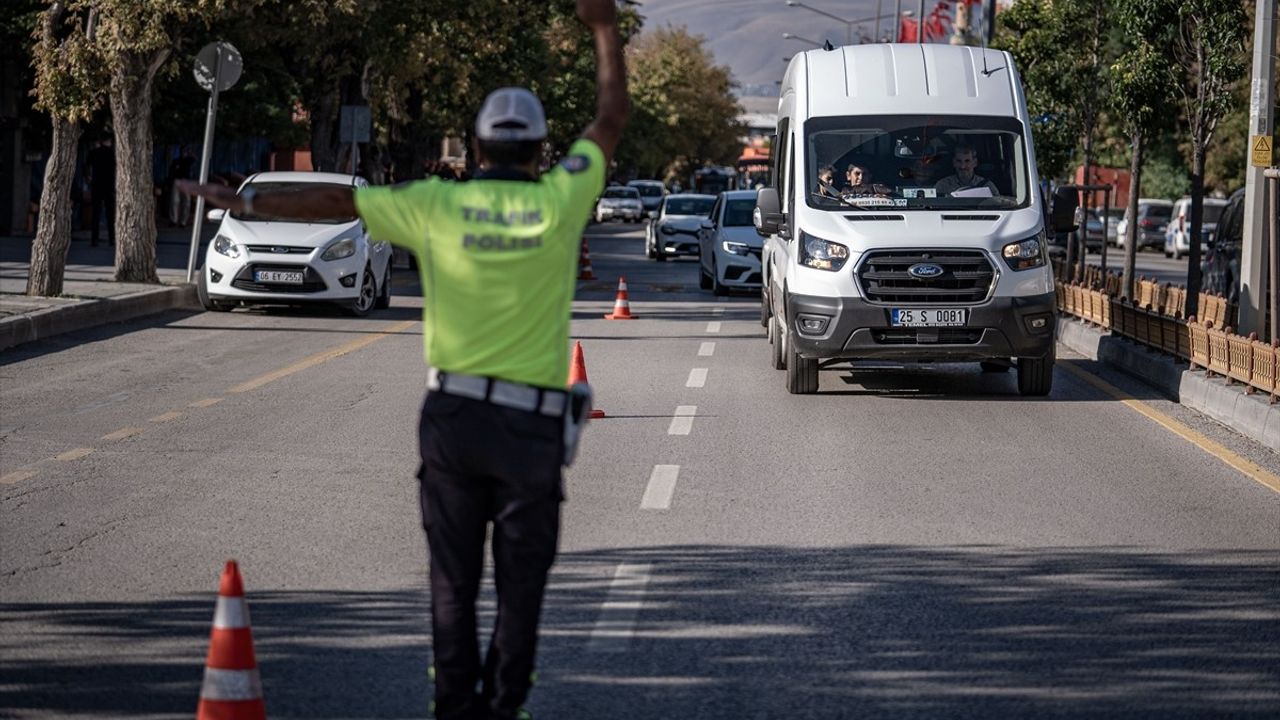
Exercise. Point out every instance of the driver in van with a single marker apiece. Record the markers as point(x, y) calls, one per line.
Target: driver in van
point(965, 162)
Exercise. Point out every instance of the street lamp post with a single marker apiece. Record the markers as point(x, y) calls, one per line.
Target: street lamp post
point(848, 24)
point(793, 36)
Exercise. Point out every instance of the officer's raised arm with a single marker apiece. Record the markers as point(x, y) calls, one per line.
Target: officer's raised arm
point(611, 75)
point(305, 204)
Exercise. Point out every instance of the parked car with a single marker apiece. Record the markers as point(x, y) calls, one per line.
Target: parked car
point(729, 255)
point(1153, 220)
point(1177, 239)
point(674, 232)
point(651, 192)
point(257, 259)
point(1220, 265)
point(618, 201)
point(1114, 215)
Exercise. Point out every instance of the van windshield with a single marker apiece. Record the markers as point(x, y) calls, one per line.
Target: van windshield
point(916, 162)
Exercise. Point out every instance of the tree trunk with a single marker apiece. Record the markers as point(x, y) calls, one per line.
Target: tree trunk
point(53, 234)
point(1131, 226)
point(323, 152)
point(130, 95)
point(1197, 214)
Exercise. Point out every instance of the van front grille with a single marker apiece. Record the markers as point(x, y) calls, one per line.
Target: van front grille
point(967, 277)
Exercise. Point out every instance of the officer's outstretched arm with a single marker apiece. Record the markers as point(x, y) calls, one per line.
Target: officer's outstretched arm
point(611, 75)
point(306, 204)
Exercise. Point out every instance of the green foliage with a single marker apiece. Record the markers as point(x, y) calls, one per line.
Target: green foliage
point(70, 71)
point(1164, 174)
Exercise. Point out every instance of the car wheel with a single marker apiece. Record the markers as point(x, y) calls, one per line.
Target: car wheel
point(764, 309)
point(384, 295)
point(657, 255)
point(202, 292)
point(802, 373)
point(1035, 375)
point(777, 360)
point(717, 287)
point(704, 280)
point(367, 298)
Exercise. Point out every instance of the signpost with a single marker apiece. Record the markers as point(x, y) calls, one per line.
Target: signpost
point(217, 68)
point(354, 127)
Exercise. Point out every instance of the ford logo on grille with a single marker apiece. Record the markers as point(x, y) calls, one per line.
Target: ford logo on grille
point(278, 249)
point(924, 271)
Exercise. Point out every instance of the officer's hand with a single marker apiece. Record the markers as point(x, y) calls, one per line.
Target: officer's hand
point(597, 14)
point(219, 196)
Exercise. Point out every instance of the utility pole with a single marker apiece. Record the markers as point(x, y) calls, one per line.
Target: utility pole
point(1253, 255)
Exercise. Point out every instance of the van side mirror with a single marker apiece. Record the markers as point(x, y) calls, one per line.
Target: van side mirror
point(1063, 218)
point(216, 215)
point(768, 216)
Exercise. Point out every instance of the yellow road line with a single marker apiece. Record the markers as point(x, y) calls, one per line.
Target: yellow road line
point(204, 403)
point(16, 476)
point(121, 434)
point(1213, 447)
point(75, 454)
point(319, 358)
point(174, 415)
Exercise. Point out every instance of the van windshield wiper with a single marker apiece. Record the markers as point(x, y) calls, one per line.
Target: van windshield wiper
point(847, 203)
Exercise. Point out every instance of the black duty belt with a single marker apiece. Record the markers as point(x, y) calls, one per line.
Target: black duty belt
point(502, 393)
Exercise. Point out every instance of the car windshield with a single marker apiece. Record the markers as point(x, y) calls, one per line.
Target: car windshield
point(1211, 213)
point(649, 190)
point(286, 187)
point(629, 193)
point(1160, 212)
point(737, 213)
point(689, 206)
point(916, 162)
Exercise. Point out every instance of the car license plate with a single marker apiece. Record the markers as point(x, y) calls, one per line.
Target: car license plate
point(288, 277)
point(930, 317)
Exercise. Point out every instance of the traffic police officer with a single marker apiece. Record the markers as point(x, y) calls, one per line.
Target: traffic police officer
point(497, 257)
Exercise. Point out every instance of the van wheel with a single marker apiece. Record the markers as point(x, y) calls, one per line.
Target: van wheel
point(777, 360)
point(704, 280)
point(802, 373)
point(1035, 375)
point(764, 309)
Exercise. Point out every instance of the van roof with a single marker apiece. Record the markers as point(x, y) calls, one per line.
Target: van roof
point(906, 79)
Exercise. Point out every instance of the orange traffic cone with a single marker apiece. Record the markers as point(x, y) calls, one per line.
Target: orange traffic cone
point(578, 374)
point(232, 689)
point(621, 306)
point(584, 262)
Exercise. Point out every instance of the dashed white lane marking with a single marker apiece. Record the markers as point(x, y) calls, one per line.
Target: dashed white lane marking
point(697, 377)
point(166, 417)
point(706, 349)
point(75, 454)
point(682, 423)
point(662, 485)
point(121, 434)
point(713, 326)
point(16, 476)
point(617, 621)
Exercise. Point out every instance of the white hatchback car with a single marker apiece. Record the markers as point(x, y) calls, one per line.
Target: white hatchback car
point(730, 246)
point(261, 260)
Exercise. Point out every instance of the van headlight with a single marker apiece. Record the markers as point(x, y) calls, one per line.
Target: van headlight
point(1026, 254)
point(735, 248)
point(344, 248)
point(226, 246)
point(822, 254)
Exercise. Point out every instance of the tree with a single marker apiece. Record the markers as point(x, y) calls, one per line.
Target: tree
point(1141, 81)
point(1209, 41)
point(69, 86)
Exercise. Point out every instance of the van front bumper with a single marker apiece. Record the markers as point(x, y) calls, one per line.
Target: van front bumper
point(854, 329)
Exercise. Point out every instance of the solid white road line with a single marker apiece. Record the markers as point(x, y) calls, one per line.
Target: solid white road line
point(706, 349)
point(662, 485)
point(697, 377)
point(682, 423)
point(713, 326)
point(617, 621)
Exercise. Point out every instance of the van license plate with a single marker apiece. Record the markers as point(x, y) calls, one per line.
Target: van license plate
point(278, 276)
point(930, 317)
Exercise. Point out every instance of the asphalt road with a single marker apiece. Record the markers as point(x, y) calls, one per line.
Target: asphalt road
point(913, 541)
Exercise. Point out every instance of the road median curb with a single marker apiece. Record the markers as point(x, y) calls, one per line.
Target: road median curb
point(1250, 415)
point(91, 312)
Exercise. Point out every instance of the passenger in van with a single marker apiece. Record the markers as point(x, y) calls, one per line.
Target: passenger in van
point(858, 183)
point(826, 181)
point(965, 162)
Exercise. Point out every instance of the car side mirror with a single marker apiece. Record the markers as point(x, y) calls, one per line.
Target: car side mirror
point(653, 214)
point(1063, 218)
point(768, 216)
point(216, 215)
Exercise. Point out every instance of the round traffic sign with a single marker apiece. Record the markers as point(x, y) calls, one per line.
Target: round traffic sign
point(220, 59)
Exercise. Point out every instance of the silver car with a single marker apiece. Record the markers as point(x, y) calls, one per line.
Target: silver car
point(730, 246)
point(674, 232)
point(619, 202)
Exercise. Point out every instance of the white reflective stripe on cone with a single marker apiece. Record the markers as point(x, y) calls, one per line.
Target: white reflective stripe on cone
point(230, 685)
point(232, 613)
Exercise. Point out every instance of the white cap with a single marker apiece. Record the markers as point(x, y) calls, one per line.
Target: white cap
point(511, 114)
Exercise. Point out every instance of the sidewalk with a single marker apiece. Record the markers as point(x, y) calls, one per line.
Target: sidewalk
point(90, 296)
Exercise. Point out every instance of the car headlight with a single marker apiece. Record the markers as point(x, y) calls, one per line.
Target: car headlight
point(1026, 254)
point(668, 230)
point(344, 248)
point(226, 246)
point(822, 254)
point(735, 248)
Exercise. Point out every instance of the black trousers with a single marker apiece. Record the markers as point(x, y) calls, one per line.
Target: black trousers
point(486, 464)
point(100, 200)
